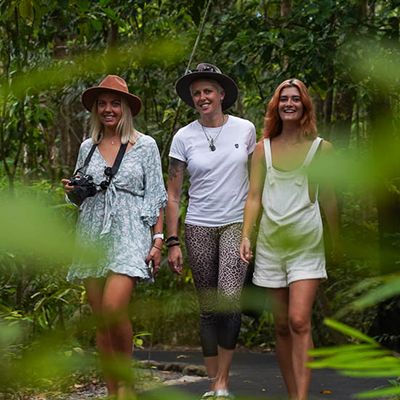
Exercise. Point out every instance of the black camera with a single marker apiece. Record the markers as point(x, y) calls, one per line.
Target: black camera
point(83, 187)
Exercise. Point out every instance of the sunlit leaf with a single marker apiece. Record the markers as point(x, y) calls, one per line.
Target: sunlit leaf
point(377, 373)
point(373, 394)
point(347, 330)
point(380, 293)
point(326, 351)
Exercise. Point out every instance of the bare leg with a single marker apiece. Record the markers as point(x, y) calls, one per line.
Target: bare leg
point(116, 297)
point(211, 364)
point(94, 290)
point(302, 295)
point(284, 345)
point(225, 357)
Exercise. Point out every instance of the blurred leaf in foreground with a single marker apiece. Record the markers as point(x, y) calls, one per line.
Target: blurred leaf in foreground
point(365, 360)
point(126, 56)
point(31, 228)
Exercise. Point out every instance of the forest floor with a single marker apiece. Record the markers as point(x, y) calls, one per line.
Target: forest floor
point(254, 375)
point(149, 377)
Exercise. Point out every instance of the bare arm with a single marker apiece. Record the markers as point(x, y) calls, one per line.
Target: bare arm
point(155, 250)
point(176, 173)
point(253, 204)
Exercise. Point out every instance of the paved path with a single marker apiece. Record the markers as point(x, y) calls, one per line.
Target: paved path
point(257, 376)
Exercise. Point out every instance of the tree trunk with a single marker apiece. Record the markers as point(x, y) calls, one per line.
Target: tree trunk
point(286, 8)
point(343, 115)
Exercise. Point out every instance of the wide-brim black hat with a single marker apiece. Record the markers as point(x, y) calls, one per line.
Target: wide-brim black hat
point(207, 71)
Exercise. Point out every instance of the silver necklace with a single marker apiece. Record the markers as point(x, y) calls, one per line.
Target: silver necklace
point(211, 140)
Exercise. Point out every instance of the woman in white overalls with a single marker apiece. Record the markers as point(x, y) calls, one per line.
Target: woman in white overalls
point(290, 259)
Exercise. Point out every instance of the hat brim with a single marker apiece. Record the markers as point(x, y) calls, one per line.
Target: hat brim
point(90, 95)
point(182, 87)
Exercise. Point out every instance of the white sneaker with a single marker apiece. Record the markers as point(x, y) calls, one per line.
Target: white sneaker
point(223, 394)
point(208, 395)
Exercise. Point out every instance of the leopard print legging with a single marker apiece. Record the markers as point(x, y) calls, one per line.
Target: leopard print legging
point(218, 274)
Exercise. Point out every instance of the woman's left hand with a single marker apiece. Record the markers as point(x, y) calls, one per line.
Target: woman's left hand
point(246, 253)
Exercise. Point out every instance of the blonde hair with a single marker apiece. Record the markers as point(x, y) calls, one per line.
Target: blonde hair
point(213, 82)
point(125, 128)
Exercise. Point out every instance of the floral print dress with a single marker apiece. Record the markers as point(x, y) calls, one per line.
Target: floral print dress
point(120, 218)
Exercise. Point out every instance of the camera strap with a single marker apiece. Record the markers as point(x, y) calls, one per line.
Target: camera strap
point(111, 171)
point(118, 159)
point(87, 159)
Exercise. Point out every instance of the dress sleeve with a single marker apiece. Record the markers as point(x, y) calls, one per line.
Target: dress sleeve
point(155, 195)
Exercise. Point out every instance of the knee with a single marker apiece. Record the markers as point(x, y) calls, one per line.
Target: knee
point(113, 314)
point(282, 329)
point(300, 325)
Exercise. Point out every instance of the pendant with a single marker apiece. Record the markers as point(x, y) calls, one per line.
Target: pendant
point(212, 146)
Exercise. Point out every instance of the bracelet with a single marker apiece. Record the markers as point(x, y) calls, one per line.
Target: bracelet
point(246, 238)
point(158, 235)
point(156, 247)
point(173, 244)
point(172, 239)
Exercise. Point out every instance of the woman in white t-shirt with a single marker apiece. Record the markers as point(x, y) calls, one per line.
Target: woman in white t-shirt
point(215, 150)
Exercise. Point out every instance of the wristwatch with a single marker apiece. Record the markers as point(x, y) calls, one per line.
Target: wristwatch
point(158, 235)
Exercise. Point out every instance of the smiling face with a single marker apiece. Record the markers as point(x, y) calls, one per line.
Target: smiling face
point(207, 97)
point(290, 106)
point(109, 109)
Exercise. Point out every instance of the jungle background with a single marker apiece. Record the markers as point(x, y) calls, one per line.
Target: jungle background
point(347, 53)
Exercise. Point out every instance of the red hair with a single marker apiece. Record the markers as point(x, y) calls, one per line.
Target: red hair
point(272, 120)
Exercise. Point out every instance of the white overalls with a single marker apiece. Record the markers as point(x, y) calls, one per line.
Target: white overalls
point(290, 240)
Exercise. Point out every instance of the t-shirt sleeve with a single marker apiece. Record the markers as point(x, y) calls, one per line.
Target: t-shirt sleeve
point(252, 139)
point(178, 149)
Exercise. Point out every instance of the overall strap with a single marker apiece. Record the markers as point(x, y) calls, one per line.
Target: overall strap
point(267, 151)
point(311, 153)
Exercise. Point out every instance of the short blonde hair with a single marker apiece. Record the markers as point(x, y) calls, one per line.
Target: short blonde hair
point(125, 127)
point(216, 84)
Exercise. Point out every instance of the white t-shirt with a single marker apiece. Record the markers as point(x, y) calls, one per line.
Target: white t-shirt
point(218, 179)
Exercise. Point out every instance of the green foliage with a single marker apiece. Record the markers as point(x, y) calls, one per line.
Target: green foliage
point(365, 359)
point(164, 308)
point(52, 50)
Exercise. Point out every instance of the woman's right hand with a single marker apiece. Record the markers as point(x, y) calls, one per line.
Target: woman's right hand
point(175, 259)
point(245, 250)
point(67, 186)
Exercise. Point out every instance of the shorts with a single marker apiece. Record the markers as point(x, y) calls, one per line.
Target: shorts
point(274, 271)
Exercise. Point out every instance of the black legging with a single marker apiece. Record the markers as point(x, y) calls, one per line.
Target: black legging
point(218, 274)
